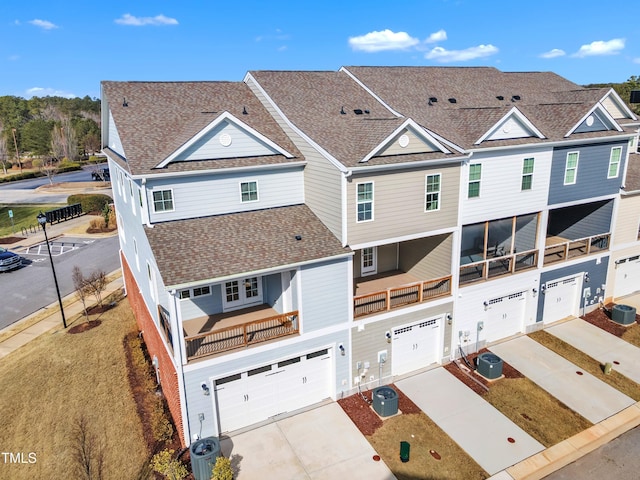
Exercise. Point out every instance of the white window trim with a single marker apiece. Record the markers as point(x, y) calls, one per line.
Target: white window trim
point(566, 167)
point(124, 190)
point(257, 192)
point(192, 293)
point(151, 274)
point(373, 269)
point(439, 192)
point(527, 174)
point(373, 196)
point(135, 251)
point(173, 200)
point(611, 162)
point(242, 302)
point(120, 227)
point(133, 201)
point(479, 181)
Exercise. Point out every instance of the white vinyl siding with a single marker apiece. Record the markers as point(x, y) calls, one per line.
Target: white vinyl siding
point(364, 202)
point(475, 176)
point(163, 201)
point(527, 174)
point(614, 162)
point(432, 192)
point(571, 168)
point(249, 192)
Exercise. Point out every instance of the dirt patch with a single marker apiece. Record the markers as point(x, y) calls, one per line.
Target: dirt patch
point(84, 326)
point(10, 240)
point(475, 381)
point(602, 318)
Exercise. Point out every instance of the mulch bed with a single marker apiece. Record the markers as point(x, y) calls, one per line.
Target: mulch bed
point(84, 326)
point(602, 318)
point(507, 370)
point(10, 240)
point(100, 230)
point(364, 417)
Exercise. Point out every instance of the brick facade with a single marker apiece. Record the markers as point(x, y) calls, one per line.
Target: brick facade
point(155, 346)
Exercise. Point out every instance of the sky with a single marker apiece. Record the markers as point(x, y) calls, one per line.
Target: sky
point(66, 48)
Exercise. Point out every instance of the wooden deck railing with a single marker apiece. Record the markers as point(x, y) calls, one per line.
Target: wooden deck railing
point(561, 251)
point(242, 335)
point(400, 296)
point(495, 267)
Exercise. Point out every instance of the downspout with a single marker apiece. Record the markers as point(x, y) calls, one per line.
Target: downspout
point(343, 206)
point(146, 203)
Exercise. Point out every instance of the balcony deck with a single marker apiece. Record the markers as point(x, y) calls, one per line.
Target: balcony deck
point(212, 334)
point(558, 249)
point(395, 289)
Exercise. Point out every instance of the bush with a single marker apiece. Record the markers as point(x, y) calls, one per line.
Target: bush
point(20, 176)
point(164, 463)
point(8, 165)
point(91, 202)
point(222, 469)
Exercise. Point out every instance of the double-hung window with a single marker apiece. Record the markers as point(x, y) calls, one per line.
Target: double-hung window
point(432, 193)
point(571, 168)
point(614, 162)
point(475, 175)
point(527, 174)
point(365, 201)
point(162, 201)
point(249, 191)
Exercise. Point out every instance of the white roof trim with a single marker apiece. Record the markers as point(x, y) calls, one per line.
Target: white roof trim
point(369, 91)
point(597, 107)
point(514, 112)
point(225, 116)
point(419, 131)
point(337, 163)
point(619, 102)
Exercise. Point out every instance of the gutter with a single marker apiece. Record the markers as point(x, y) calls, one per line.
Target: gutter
point(221, 171)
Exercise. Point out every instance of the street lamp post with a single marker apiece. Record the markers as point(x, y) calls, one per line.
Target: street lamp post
point(42, 220)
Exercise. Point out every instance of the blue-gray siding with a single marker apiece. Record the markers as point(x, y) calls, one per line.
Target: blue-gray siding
point(581, 221)
point(597, 277)
point(593, 169)
point(597, 126)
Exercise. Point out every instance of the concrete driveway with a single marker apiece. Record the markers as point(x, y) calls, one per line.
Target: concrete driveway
point(317, 444)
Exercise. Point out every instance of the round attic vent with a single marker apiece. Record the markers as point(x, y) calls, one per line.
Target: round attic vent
point(589, 120)
point(225, 139)
point(403, 141)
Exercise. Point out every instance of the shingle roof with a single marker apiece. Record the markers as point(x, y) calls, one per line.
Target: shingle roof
point(207, 248)
point(632, 180)
point(161, 116)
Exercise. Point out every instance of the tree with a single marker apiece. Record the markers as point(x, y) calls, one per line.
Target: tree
point(87, 451)
point(36, 137)
point(83, 289)
point(48, 166)
point(97, 283)
point(3, 149)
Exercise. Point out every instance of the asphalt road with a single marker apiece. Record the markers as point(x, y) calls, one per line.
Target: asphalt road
point(619, 459)
point(30, 288)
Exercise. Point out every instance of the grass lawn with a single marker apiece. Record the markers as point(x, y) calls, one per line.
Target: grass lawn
point(23, 216)
point(588, 364)
point(59, 378)
point(434, 455)
point(632, 335)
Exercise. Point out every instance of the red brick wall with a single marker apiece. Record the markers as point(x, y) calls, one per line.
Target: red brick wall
point(155, 346)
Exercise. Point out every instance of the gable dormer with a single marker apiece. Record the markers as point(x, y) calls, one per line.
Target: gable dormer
point(597, 119)
point(408, 138)
point(511, 126)
point(225, 137)
point(616, 107)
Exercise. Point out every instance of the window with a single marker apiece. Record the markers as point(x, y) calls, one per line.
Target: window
point(475, 174)
point(152, 281)
point(185, 294)
point(527, 174)
point(614, 162)
point(365, 201)
point(196, 292)
point(133, 204)
point(135, 249)
point(249, 191)
point(368, 261)
point(241, 293)
point(571, 168)
point(162, 201)
point(432, 193)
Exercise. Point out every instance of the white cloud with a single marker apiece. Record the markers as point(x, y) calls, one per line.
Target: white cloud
point(13, 58)
point(438, 36)
point(636, 60)
point(47, 25)
point(556, 52)
point(48, 92)
point(130, 20)
point(384, 40)
point(442, 55)
point(612, 47)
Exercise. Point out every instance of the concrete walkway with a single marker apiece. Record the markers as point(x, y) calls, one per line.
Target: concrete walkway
point(475, 425)
point(317, 444)
point(582, 392)
point(600, 345)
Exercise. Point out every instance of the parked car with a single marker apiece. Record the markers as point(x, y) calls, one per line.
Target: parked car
point(9, 260)
point(101, 174)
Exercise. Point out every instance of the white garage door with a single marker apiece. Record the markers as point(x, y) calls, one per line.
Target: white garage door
point(416, 345)
point(561, 299)
point(505, 316)
point(257, 394)
point(627, 276)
